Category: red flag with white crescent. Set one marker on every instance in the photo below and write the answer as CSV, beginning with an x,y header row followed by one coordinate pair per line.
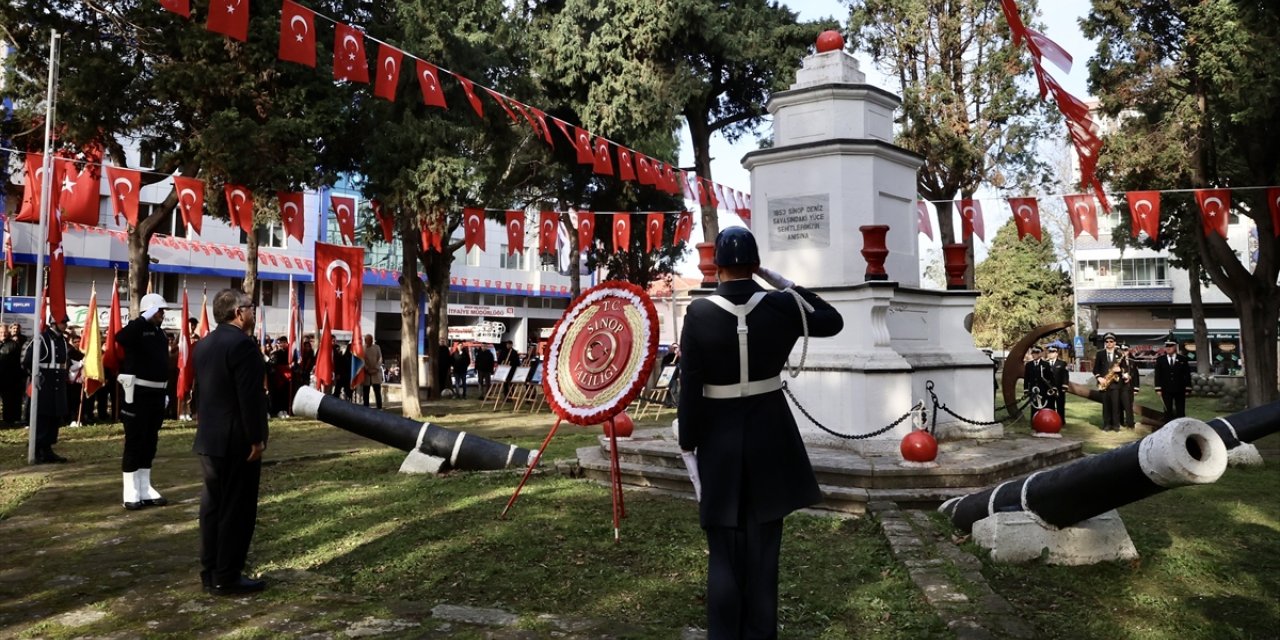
x,y
324,353
1084,215
1144,211
429,82
1026,216
603,162
123,185
653,231
239,206
345,210
190,201
548,224
469,88
586,230
297,34
621,232
33,178
385,221
971,219
515,232
230,18
339,278
626,171
180,7
684,226
924,222
1273,202
582,144
77,192
57,285
1215,207
291,214
473,228
349,61
644,170
389,59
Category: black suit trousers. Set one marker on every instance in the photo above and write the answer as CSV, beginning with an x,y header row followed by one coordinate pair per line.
x,y
1111,408
1175,405
228,514
742,581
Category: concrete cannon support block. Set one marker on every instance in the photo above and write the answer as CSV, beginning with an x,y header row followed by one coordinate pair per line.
x,y
1017,536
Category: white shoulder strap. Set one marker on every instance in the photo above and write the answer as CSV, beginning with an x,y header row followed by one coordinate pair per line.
x,y
741,311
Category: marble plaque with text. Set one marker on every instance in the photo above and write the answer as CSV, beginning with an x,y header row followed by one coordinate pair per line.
x,y
800,223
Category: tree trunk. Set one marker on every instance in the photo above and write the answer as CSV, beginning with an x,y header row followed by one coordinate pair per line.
x,y
250,285
1258,346
700,135
437,268
1204,354
411,290
139,268
575,273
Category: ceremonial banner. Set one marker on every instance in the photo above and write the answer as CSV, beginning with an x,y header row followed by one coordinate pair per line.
x,y
924,222
297,34
653,231
1215,207
548,224
239,206
1084,214
1026,217
1144,212
190,201
586,230
621,232
515,232
339,278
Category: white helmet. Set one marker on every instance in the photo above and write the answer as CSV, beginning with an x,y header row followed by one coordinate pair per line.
x,y
152,301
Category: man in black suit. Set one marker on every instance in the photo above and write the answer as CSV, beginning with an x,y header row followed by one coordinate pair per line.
x,y
1132,383
1035,380
1059,376
1105,363
1173,378
230,438
733,414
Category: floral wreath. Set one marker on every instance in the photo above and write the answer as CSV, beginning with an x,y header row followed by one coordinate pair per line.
x,y
566,397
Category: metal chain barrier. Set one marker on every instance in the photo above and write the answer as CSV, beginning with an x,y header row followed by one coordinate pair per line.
x,y
917,409
973,425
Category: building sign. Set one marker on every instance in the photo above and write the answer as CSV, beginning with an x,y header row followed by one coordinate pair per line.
x,y
799,223
481,311
490,332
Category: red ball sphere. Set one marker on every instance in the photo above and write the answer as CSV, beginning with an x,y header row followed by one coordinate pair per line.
x,y
830,41
623,424
1046,421
919,446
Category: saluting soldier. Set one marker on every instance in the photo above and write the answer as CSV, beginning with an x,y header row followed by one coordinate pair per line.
x,y
1058,376
734,416
1130,384
1035,379
1173,378
51,377
144,377
1106,363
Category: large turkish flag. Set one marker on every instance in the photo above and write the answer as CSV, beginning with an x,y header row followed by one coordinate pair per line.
x,y
339,285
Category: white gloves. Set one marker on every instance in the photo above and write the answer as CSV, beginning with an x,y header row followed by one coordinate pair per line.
x,y
774,279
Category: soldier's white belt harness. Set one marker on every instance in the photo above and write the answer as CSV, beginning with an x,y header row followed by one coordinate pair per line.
x,y
129,382
743,387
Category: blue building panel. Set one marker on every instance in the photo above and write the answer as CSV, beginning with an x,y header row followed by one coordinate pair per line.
x,y
1126,295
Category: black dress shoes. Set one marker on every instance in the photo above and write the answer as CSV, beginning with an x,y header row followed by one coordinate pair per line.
x,y
155,502
133,506
241,586
47,456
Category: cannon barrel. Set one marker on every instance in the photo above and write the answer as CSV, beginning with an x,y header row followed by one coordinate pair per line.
x,y
459,449
1249,425
1186,451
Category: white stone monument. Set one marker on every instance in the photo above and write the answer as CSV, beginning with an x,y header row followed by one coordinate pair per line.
x,y
832,169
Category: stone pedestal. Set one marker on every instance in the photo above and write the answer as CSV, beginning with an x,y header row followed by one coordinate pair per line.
x,y
1016,537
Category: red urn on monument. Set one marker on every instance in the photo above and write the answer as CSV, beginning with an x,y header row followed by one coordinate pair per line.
x,y
874,251
707,262
954,263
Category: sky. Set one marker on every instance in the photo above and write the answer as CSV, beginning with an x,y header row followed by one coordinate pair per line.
x,y
1060,19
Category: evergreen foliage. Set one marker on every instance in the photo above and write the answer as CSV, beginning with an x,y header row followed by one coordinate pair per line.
x,y
1022,288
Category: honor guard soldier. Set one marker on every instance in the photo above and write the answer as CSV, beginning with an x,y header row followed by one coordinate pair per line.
x,y
733,414
1058,376
1173,378
1131,382
1035,379
51,378
143,378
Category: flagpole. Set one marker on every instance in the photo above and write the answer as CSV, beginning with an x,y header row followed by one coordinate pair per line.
x,y
46,193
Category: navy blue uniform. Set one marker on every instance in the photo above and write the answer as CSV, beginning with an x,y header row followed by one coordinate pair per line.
x,y
146,357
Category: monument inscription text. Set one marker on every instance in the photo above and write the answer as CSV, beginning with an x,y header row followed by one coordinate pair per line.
x,y
799,223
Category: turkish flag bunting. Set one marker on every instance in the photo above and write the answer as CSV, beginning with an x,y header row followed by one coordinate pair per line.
x,y
78,193
621,232
1273,202
711,193
653,231
586,230
230,18
670,180
33,182
539,118
349,61
924,222
389,59
703,200
644,170
603,163
743,210
123,185
57,287
324,354
473,228
684,227
515,231
971,219
180,7
297,34
186,364
1026,216
345,210
112,353
564,129
1144,211
384,220
1014,19
190,201
239,206
1043,47
432,239
626,171
498,98
1215,206
339,278
582,142
548,223
468,87
292,216
429,81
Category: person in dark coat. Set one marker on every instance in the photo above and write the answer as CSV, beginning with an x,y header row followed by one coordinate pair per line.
x,y
1035,379
144,381
1173,378
342,372
231,436
485,362
1132,382
444,368
461,363
13,380
279,379
734,417
56,355
1058,376
1106,363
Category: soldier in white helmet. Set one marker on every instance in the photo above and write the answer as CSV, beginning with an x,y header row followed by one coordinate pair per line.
x,y
144,373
